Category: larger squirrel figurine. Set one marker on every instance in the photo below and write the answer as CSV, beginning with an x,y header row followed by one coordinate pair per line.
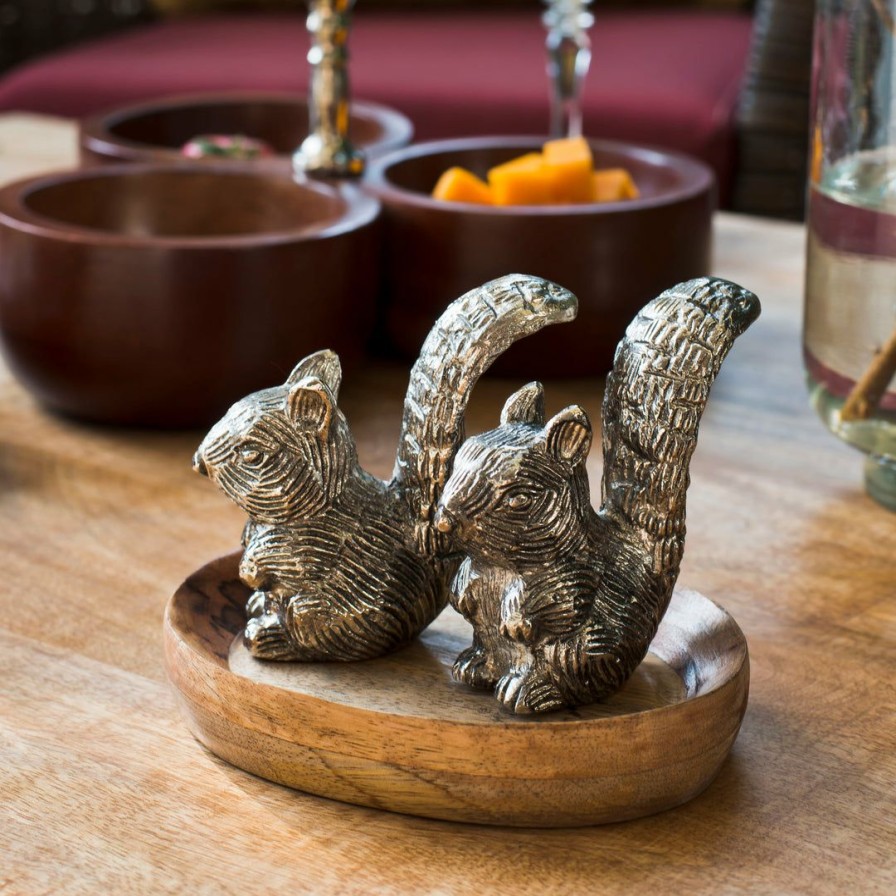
x,y
565,600
344,565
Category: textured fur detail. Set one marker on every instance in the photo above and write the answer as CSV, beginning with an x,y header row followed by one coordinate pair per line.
x,y
579,594
345,566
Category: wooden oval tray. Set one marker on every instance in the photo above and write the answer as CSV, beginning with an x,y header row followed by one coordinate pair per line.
x,y
397,733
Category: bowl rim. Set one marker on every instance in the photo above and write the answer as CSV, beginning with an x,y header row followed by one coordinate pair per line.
x,y
94,131
700,178
360,209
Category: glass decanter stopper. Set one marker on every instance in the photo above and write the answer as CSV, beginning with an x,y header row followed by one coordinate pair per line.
x,y
569,57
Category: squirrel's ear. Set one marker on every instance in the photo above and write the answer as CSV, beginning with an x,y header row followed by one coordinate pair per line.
x,y
309,405
568,435
526,405
324,365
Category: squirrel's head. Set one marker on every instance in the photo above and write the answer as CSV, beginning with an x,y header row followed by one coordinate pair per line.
x,y
519,492
283,453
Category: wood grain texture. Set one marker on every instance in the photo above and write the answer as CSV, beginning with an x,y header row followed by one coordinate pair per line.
x,y
105,791
396,733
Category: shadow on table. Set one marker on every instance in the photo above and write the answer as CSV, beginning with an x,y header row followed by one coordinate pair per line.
x,y
383,849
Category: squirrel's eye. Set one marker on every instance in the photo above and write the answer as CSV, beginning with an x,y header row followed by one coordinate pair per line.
x,y
251,455
517,500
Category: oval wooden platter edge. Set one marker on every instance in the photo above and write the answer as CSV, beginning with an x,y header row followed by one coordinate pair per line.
x,y
566,769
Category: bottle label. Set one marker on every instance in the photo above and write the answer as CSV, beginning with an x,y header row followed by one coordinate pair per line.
x,y
850,295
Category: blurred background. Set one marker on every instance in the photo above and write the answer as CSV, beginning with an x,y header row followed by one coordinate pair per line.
x,y
724,80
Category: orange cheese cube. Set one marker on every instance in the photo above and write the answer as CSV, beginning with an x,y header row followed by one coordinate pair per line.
x,y
613,185
521,181
570,166
460,185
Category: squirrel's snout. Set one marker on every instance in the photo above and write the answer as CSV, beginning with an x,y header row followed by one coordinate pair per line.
x,y
199,464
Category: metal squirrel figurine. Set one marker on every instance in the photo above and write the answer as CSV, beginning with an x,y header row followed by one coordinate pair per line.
x,y
564,600
343,565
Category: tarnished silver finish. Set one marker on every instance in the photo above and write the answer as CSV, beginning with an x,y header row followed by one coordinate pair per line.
x,y
327,150
344,565
569,58
564,601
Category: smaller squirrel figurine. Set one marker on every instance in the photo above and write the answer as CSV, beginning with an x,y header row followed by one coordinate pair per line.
x,y
345,566
565,600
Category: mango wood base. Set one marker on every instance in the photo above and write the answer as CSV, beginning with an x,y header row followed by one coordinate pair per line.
x,y
397,733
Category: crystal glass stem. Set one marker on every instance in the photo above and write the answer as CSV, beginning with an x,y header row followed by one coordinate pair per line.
x,y
569,57
327,150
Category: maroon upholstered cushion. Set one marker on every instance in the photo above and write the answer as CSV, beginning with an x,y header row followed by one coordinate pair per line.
x,y
669,78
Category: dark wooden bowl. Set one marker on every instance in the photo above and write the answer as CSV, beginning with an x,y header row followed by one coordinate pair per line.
x,y
614,256
157,296
156,131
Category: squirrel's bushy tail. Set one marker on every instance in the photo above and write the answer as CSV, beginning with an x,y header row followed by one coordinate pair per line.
x,y
463,343
663,370
655,396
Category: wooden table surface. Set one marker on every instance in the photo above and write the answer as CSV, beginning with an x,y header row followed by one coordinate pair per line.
x,y
103,790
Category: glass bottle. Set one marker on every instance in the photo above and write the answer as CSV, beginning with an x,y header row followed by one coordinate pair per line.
x,y
849,340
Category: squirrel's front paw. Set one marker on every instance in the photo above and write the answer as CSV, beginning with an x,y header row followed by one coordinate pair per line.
x,y
261,602
266,638
472,667
528,692
515,623
255,604
465,603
